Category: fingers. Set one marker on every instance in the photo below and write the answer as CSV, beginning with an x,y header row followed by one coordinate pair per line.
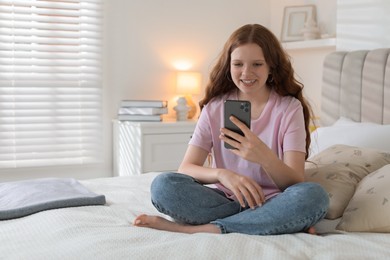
x,y
239,124
257,195
227,139
254,198
246,190
250,192
245,198
231,134
232,138
239,197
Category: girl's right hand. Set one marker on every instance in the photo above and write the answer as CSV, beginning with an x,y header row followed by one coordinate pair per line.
x,y
243,187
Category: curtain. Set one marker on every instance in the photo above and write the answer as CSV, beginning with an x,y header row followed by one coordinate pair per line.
x,y
50,82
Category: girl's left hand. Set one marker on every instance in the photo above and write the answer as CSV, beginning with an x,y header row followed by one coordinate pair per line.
x,y
249,146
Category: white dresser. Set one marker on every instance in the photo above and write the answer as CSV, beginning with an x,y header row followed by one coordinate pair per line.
x,y
141,147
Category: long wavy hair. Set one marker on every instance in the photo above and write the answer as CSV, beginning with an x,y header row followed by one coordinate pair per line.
x,y
281,78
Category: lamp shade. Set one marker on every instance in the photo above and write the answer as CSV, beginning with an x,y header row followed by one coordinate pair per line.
x,y
188,83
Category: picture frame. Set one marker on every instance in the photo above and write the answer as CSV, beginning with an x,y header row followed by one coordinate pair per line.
x,y
294,19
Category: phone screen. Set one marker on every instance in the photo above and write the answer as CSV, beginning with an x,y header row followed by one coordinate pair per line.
x,y
241,109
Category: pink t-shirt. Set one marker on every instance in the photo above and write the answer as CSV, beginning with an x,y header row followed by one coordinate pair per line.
x,y
280,126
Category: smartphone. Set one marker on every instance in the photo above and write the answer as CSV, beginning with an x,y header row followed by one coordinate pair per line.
x,y
241,109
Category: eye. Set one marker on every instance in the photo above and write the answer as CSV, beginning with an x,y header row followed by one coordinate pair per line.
x,y
258,64
237,64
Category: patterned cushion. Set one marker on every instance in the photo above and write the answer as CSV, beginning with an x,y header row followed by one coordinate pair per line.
x,y
339,169
369,208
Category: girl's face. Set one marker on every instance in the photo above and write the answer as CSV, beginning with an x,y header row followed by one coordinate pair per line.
x,y
248,68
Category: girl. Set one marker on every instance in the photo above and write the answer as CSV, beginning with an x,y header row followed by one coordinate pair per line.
x,y
259,185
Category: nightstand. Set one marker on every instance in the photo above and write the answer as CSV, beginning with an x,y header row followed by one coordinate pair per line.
x,y
141,147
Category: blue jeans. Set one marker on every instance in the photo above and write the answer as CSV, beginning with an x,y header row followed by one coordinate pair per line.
x,y
187,201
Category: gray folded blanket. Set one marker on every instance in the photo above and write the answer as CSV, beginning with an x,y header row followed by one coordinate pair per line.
x,y
22,198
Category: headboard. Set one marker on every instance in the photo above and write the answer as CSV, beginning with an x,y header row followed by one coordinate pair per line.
x,y
356,85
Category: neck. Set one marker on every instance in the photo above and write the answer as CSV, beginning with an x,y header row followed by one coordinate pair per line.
x,y
257,98
258,101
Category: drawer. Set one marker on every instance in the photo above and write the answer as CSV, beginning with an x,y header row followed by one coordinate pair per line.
x,y
164,152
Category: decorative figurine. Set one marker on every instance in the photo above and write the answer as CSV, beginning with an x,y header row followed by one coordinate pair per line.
x,y
311,30
181,109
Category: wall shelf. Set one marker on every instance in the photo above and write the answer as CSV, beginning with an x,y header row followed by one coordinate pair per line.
x,y
312,44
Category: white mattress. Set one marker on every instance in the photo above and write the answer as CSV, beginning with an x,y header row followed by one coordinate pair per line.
x,y
106,232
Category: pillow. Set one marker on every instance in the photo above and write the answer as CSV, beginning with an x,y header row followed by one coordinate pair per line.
x,y
339,168
345,121
348,132
369,208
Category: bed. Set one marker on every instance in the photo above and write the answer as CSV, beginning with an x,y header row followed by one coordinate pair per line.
x,y
355,106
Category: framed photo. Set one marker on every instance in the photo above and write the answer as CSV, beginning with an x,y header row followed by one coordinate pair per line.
x,y
294,19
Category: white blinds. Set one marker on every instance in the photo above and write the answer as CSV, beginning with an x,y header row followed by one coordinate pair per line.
x,y
363,24
50,82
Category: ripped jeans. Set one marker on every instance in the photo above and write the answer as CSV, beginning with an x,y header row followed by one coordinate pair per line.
x,y
297,208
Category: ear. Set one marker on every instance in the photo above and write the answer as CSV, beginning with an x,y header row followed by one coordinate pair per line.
x,y
270,79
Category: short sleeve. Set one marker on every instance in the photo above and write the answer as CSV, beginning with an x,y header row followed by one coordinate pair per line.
x,y
202,136
294,138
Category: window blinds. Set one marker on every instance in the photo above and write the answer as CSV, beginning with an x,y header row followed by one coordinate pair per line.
x,y
363,24
50,82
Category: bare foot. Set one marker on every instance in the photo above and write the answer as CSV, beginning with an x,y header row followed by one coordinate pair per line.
x,y
161,223
311,231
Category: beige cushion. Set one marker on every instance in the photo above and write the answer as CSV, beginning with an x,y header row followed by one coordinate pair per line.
x,y
339,169
369,208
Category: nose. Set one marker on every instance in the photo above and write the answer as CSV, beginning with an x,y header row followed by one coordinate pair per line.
x,y
246,70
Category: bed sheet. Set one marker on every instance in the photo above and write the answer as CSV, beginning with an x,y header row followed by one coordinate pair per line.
x,y
106,232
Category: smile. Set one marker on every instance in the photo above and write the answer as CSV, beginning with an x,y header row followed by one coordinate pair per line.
x,y
248,82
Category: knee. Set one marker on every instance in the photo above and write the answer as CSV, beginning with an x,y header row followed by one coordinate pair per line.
x,y
161,181
313,194
162,178
166,183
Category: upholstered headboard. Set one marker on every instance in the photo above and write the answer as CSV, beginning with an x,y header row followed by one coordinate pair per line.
x,y
356,85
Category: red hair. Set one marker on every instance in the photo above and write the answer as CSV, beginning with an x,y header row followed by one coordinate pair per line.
x,y
281,78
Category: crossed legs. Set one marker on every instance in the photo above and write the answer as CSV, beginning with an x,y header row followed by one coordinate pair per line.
x,y
202,209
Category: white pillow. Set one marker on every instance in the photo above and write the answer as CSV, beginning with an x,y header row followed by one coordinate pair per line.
x,y
345,121
348,132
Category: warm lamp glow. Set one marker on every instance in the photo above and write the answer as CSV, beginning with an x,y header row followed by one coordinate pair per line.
x,y
182,65
188,83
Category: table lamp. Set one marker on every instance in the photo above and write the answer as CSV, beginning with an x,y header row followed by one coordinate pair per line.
x,y
188,84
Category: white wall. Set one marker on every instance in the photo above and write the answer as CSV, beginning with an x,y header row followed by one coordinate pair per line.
x,y
151,36
308,62
362,24
308,69
325,13
146,37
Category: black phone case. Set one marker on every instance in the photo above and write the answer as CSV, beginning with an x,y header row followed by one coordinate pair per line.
x,y
241,109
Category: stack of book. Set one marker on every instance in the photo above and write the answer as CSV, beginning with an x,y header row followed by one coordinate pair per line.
x,y
142,110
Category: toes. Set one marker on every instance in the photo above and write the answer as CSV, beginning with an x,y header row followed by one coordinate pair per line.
x,y
312,231
140,220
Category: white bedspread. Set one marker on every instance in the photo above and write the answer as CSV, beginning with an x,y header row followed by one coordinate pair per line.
x,y
106,232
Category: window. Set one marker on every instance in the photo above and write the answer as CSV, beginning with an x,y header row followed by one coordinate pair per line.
x,y
363,25
50,82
